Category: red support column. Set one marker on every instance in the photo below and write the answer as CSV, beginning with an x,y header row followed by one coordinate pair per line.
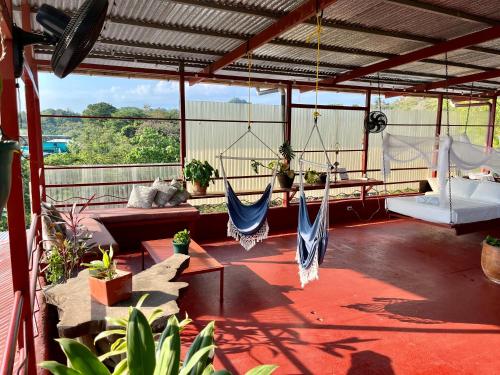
x,y
439,121
15,205
182,112
366,137
491,123
288,130
33,118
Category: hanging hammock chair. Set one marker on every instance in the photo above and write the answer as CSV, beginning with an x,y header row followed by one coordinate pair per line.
x,y
312,238
247,223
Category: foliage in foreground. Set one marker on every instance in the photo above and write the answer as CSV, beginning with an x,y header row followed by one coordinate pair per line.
x,y
142,353
490,240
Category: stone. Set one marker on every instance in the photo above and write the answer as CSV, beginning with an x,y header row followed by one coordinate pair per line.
x,y
79,315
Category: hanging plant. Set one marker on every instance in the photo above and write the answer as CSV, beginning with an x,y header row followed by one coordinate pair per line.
x,y
7,149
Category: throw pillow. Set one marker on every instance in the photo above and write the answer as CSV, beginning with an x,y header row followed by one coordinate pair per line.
x,y
179,198
165,192
53,219
486,192
462,187
141,197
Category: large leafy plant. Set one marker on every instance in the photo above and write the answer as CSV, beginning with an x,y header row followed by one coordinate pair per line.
x,y
201,172
143,353
67,250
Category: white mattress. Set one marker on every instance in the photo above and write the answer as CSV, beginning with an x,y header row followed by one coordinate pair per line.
x,y
464,211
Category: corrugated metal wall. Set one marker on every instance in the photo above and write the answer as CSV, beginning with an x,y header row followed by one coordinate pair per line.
x,y
207,139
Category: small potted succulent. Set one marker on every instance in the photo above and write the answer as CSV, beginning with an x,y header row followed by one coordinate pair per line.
x,y
181,242
490,258
285,174
107,284
200,174
7,150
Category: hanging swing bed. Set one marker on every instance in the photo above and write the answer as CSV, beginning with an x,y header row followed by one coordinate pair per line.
x,y
464,205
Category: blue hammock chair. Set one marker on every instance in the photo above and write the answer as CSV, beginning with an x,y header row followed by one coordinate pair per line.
x,y
248,222
312,238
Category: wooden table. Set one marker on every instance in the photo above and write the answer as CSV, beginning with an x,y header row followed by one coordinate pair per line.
x,y
365,184
199,262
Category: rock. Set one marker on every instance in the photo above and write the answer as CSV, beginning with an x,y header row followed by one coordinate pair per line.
x,y
79,315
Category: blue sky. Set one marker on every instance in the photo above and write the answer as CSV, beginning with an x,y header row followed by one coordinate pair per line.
x,y
75,92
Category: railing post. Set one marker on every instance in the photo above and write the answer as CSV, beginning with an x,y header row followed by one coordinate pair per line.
x,y
182,112
491,123
366,137
439,121
288,131
15,204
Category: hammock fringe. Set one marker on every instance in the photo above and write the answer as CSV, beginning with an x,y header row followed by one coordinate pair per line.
x,y
247,241
307,275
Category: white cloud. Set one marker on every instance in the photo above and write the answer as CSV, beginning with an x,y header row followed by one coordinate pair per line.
x,y
166,87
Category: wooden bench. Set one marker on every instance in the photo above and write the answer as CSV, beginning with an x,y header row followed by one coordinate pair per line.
x,y
130,226
199,262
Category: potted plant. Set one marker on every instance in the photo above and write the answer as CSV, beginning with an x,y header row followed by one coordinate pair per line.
x,y
285,174
107,284
200,174
312,177
7,149
490,258
181,242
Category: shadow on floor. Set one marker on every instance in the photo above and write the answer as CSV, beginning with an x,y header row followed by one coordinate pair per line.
x,y
368,362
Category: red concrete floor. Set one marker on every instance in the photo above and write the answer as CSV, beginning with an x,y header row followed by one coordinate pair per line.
x,y
393,298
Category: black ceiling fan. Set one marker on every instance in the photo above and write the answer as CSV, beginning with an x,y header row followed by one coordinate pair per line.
x,y
73,37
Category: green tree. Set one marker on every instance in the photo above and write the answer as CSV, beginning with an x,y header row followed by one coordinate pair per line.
x,y
150,146
237,100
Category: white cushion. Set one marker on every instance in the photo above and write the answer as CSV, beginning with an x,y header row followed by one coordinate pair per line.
x,y
462,187
141,197
165,192
487,192
434,184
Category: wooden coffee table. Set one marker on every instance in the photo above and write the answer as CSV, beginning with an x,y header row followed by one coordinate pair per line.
x,y
200,261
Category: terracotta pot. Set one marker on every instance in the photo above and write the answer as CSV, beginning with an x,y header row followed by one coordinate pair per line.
x,y
198,189
285,181
181,248
7,149
490,262
109,292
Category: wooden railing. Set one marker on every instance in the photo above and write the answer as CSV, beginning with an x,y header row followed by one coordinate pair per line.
x,y
15,357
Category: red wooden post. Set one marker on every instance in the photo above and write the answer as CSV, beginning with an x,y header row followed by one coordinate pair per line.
x,y
15,204
182,110
439,121
288,131
366,137
491,123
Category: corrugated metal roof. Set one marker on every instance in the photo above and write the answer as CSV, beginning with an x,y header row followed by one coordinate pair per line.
x,y
153,33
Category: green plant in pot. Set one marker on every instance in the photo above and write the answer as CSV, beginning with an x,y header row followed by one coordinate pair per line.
x,y
7,150
312,177
200,174
107,284
181,242
285,174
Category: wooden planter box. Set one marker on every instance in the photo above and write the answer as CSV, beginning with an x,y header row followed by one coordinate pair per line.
x,y
109,292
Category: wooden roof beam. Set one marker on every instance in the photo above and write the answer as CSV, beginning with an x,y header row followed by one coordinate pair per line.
x,y
436,49
296,16
454,81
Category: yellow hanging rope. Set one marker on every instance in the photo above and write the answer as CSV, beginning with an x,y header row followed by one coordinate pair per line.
x,y
249,58
317,33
